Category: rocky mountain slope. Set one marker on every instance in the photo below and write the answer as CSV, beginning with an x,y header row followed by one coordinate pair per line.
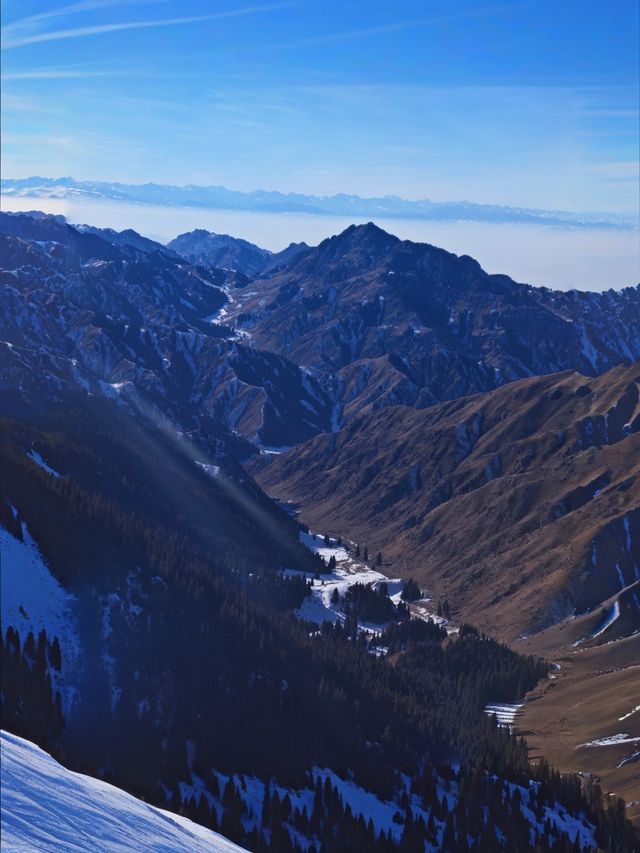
x,y
399,322
126,317
360,322
521,505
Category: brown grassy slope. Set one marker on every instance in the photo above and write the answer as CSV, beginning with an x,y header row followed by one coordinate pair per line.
x,y
516,504
598,683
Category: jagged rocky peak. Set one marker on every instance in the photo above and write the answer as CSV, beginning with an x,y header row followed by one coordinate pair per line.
x,y
376,245
366,236
444,326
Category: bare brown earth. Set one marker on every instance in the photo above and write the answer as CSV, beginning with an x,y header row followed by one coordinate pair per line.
x,y
596,685
521,505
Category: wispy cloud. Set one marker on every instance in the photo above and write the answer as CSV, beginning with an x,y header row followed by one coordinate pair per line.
x,y
396,26
59,74
18,40
35,23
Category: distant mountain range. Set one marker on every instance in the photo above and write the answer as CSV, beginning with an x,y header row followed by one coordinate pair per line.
x,y
385,207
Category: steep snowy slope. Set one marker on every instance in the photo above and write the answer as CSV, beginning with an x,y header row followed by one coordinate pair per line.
x,y
46,807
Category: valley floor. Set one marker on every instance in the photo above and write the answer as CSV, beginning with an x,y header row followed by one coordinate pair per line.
x,y
573,717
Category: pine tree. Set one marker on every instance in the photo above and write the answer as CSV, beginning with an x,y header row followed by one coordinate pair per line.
x,y
55,654
266,807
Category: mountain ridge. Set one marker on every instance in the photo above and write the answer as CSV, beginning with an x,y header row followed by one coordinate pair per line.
x,y
276,202
434,324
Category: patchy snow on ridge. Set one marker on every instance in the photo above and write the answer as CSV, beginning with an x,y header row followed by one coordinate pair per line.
x,y
609,619
606,622
211,470
630,759
631,712
47,808
612,740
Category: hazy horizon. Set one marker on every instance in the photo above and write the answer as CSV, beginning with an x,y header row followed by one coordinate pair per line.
x,y
562,258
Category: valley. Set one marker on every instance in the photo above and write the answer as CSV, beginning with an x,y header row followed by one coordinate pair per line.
x,y
319,427
312,496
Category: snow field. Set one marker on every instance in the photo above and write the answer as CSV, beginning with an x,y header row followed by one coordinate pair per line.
x,y
47,808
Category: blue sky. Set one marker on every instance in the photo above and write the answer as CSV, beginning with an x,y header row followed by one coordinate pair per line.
x,y
532,103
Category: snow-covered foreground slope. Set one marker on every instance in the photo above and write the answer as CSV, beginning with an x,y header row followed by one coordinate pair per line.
x,y
46,807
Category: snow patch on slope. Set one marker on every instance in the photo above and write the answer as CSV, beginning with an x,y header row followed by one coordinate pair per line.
x,y
348,572
37,458
609,619
32,599
504,713
631,712
612,740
